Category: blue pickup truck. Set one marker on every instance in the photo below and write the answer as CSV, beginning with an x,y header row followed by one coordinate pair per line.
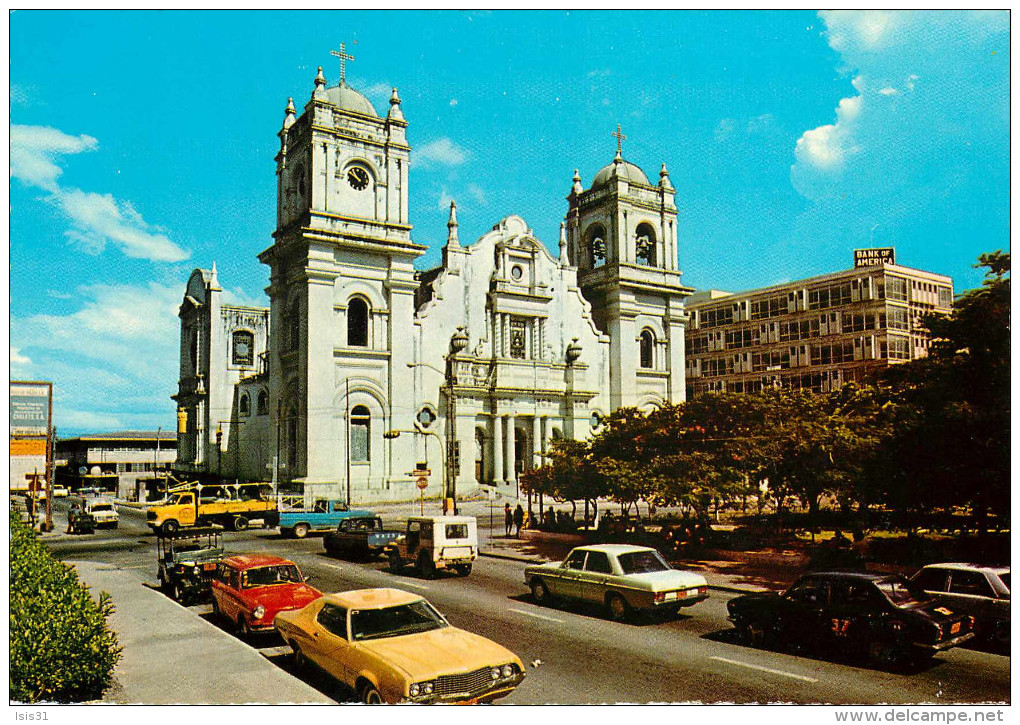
x,y
324,515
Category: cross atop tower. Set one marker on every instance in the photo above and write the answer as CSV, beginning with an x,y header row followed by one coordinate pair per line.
x,y
342,55
619,140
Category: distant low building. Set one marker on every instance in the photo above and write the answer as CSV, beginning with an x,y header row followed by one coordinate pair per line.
x,y
126,455
814,334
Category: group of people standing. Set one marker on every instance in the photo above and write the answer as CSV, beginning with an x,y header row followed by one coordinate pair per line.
x,y
513,518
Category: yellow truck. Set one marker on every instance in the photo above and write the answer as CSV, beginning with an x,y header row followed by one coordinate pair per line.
x,y
233,507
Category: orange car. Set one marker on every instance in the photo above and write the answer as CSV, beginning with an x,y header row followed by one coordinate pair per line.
x,y
251,589
392,646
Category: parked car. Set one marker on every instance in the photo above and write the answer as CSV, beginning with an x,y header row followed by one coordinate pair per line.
x,y
249,590
432,543
622,577
323,515
981,591
102,510
884,618
186,562
80,522
360,536
60,492
392,646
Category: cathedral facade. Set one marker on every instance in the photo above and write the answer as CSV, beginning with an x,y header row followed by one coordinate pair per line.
x,y
363,371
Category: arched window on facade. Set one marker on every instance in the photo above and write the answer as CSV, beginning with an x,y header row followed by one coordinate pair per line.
x,y
361,428
645,244
243,348
479,455
595,246
647,349
263,403
292,325
357,323
244,405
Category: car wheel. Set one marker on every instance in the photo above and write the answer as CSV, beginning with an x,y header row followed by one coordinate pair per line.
x,y
396,563
370,695
426,567
464,570
240,523
540,592
300,531
178,592
1000,633
754,633
169,527
617,607
887,654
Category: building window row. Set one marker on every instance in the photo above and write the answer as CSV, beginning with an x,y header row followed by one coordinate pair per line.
x,y
716,317
261,408
771,307
833,296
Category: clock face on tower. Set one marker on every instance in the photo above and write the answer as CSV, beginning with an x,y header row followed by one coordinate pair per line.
x,y
358,178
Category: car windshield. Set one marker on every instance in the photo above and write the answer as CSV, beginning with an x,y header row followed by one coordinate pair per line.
x,y
1005,580
456,531
395,621
265,576
101,507
902,593
642,562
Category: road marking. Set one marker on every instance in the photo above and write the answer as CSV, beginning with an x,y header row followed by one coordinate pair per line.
x,y
331,566
416,586
201,609
764,669
536,616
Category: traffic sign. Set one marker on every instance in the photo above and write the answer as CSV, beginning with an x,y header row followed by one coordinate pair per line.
x,y
422,482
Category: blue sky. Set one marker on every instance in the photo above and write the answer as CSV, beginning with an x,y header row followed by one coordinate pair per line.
x,y
142,146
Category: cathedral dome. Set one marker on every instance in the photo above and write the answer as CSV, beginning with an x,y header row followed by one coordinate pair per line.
x,y
621,169
348,99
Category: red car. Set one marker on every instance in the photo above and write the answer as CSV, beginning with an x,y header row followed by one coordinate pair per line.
x,y
251,589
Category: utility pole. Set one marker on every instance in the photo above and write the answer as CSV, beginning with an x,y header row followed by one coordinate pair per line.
x,y
458,343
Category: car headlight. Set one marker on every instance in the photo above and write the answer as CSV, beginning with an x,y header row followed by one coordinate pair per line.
x,y
494,673
508,670
413,690
197,570
421,688
259,612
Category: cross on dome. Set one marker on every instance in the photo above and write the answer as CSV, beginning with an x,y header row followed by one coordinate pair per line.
x,y
344,57
619,141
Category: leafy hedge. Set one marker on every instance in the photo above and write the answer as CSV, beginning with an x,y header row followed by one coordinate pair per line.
x,y
61,647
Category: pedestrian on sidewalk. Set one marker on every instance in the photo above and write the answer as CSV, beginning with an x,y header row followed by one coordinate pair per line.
x,y
508,518
518,519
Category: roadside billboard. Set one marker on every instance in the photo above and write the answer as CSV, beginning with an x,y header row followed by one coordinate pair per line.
x,y
30,408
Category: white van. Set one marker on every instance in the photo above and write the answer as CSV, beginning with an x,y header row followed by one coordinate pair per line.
x,y
103,511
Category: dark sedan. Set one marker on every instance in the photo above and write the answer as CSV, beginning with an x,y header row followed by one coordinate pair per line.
x,y
884,618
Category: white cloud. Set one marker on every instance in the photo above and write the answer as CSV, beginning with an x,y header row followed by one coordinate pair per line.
x,y
453,101
724,129
441,152
888,91
97,219
477,193
237,296
20,364
826,147
59,295
34,148
444,199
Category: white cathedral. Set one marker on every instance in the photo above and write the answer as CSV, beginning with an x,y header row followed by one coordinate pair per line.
x,y
362,367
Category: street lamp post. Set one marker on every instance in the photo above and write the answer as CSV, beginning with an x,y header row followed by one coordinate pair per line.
x,y
458,342
395,433
219,452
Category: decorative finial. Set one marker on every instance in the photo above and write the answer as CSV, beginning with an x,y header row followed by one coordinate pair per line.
x,y
320,80
451,237
577,182
664,178
395,112
342,55
563,243
288,118
619,143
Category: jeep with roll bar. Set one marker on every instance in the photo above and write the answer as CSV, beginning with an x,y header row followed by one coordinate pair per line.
x,y
187,560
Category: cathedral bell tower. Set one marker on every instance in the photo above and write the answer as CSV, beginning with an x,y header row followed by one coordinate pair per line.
x,y
622,237
341,285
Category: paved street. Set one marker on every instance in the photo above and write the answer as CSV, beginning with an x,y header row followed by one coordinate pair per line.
x,y
576,655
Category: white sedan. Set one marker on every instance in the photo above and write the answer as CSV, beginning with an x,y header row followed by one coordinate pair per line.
x,y
622,577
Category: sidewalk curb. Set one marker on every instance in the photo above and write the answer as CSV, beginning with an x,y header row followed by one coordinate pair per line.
x,y
533,560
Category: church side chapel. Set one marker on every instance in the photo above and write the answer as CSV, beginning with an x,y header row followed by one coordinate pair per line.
x,y
363,368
